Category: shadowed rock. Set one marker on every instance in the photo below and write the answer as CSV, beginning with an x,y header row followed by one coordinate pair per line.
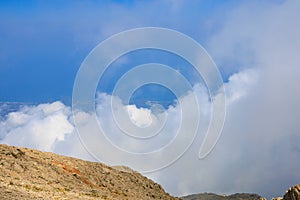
x,y
293,193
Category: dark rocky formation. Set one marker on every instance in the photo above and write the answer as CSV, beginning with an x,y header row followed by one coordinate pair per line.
x,y
293,193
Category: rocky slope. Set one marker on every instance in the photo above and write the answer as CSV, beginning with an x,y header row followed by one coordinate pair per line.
x,y
293,193
31,174
210,196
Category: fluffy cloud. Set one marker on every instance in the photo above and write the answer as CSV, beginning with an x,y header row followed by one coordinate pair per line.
x,y
259,148
239,84
39,127
50,127
139,116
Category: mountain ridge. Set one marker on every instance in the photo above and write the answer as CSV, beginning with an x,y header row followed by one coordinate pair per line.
x,y
212,196
31,174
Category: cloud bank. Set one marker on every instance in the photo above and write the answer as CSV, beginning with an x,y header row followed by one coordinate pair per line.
x,y
259,148
50,127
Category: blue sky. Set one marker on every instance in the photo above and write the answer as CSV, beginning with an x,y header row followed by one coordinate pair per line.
x,y
44,42
255,45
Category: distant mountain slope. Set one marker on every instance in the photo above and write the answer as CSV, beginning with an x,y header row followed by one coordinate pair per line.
x,y
210,196
293,193
32,174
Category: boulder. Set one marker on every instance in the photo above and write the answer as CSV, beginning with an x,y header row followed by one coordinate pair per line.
x,y
293,193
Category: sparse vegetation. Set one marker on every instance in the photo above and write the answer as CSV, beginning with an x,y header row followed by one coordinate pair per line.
x,y
30,174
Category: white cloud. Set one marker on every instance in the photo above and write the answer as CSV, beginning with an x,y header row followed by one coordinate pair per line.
x,y
37,126
259,148
239,84
50,127
139,116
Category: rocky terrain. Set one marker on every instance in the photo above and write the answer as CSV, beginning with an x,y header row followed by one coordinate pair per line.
x,y
210,196
31,174
292,193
